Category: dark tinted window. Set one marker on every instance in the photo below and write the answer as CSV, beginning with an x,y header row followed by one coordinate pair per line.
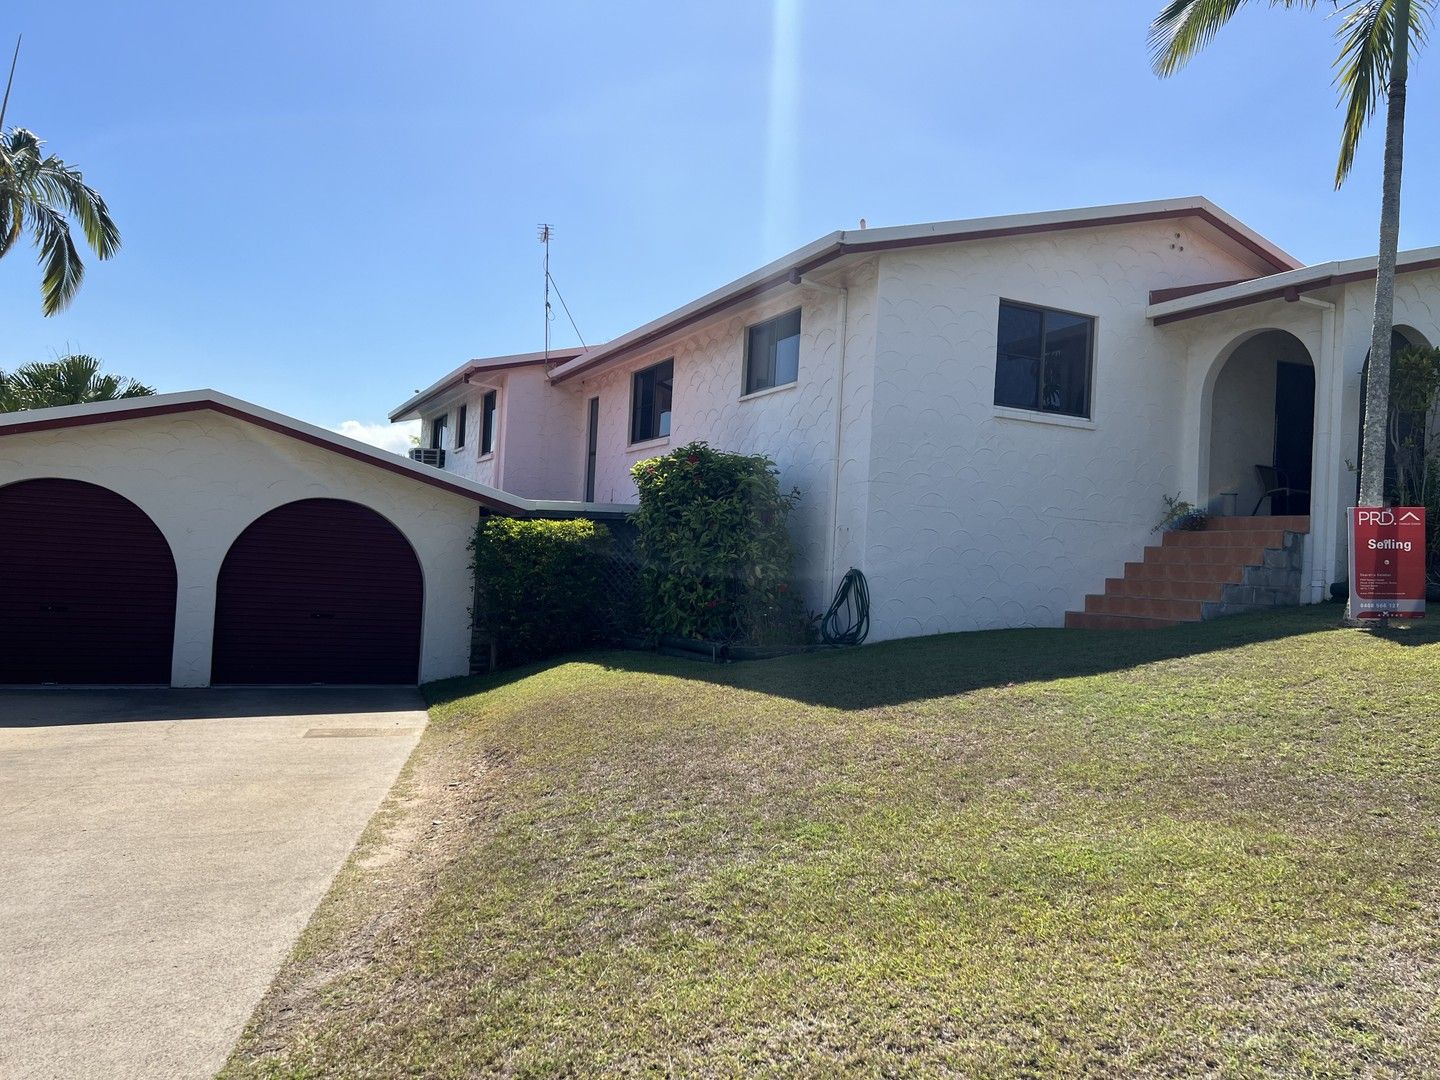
x,y
437,430
650,401
772,352
460,419
1042,360
487,422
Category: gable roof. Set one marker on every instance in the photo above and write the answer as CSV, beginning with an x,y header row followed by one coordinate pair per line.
x,y
410,409
105,412
1223,296
790,268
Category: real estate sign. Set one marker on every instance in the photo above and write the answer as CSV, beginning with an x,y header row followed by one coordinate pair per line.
x,y
1387,562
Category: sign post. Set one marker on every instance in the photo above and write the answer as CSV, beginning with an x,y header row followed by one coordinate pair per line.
x,y
1387,562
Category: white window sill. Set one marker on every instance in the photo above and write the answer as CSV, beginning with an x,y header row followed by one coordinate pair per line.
x,y
1053,419
769,390
649,444
486,457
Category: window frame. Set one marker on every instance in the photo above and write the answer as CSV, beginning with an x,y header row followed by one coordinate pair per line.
x,y
461,416
1093,324
746,390
439,425
636,437
489,421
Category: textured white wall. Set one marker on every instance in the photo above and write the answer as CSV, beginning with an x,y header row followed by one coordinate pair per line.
x,y
794,425
981,518
203,477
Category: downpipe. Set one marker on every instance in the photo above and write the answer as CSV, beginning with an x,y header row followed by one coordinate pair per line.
x,y
844,294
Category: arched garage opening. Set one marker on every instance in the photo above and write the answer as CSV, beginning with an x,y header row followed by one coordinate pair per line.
x,y
87,587
318,591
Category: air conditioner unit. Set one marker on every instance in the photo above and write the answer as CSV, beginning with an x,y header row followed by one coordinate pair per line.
x,y
428,455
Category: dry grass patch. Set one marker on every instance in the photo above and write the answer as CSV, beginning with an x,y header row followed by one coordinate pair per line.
x,y
1209,851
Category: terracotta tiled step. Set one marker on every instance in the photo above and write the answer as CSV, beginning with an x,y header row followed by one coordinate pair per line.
x,y
1270,538
1293,523
1223,572
1145,607
1227,556
1089,620
1166,588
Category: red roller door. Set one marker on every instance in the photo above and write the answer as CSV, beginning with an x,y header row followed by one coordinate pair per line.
x,y
87,587
318,591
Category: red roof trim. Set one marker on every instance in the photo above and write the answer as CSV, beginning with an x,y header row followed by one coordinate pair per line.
x,y
1175,292
1283,292
861,247
141,411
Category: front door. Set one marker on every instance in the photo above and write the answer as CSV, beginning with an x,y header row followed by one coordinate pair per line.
x,y
1294,435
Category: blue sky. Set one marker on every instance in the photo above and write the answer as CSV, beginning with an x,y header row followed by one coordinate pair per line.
x,y
326,205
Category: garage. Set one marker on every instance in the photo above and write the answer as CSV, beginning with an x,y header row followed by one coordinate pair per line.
x,y
87,587
318,591
192,538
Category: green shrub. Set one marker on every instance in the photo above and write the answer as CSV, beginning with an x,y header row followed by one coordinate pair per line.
x,y
539,585
714,546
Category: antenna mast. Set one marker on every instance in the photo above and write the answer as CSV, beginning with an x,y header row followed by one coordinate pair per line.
x,y
5,104
546,232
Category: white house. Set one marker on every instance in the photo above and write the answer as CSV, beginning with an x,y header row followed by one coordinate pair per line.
x,y
985,416
192,538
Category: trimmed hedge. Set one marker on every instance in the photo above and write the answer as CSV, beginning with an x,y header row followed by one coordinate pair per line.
x,y
539,585
716,553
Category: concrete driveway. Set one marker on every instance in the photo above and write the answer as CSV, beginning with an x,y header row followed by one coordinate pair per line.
x,y
160,851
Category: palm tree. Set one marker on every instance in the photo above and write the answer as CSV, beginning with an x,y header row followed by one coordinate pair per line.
x,y
1372,54
40,194
68,380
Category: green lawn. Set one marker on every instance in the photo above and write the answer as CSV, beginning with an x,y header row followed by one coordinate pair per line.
x,y
1201,851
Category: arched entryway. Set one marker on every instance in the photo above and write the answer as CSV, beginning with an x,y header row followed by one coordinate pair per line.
x,y
1408,437
87,587
1262,427
318,591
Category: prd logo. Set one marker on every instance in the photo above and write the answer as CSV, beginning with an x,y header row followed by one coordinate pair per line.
x,y
1376,517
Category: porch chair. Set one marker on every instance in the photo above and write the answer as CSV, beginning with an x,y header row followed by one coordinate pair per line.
x,y
1274,482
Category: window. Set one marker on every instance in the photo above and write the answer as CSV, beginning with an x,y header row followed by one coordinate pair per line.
x,y
772,352
1042,361
437,431
460,418
487,422
592,448
650,401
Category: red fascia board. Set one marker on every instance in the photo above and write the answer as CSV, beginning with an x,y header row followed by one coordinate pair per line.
x,y
862,247
1176,292
1290,292
172,407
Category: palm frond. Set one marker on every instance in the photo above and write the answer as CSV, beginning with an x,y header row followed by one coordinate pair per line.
x,y
1367,42
61,262
68,380
1184,27
42,194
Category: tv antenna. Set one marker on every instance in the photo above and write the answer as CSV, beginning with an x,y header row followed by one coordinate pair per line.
x,y
5,103
546,233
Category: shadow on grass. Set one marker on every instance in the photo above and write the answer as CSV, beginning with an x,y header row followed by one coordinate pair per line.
x,y
916,669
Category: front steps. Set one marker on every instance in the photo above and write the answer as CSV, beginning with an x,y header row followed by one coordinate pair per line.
x,y
1237,564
